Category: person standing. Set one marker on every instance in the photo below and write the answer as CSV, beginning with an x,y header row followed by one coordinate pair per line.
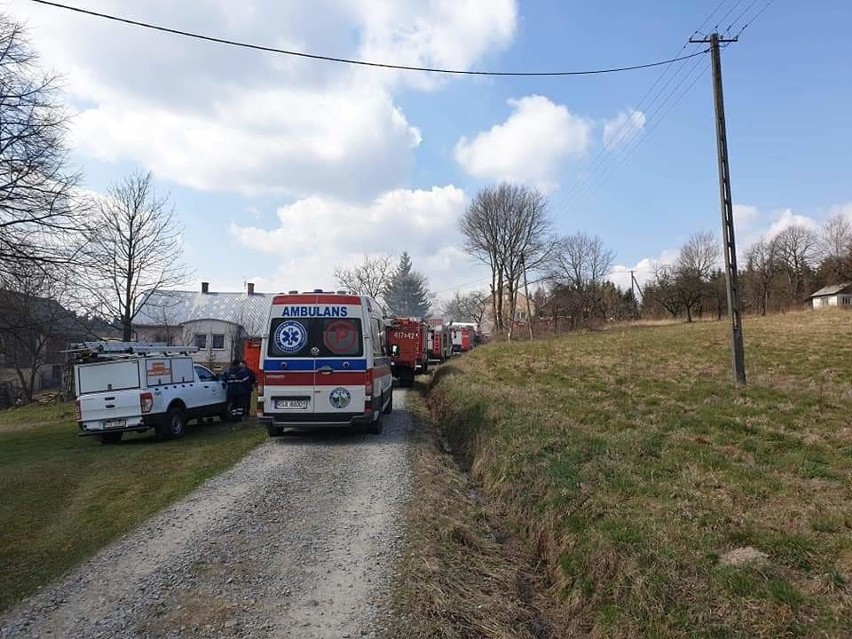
x,y
250,383
239,388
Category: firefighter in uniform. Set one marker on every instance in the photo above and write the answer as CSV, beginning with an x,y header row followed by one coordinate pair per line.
x,y
238,378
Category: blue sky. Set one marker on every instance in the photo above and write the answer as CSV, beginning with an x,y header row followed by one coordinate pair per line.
x,y
281,169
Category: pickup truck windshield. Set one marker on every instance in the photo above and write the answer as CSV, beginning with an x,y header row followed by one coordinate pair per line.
x,y
315,337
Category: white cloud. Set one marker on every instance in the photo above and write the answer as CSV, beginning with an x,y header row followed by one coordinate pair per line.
x,y
643,270
529,146
623,128
745,216
316,234
299,142
787,218
212,117
841,209
439,33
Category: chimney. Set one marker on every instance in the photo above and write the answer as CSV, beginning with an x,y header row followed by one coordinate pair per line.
x,y
205,287
250,286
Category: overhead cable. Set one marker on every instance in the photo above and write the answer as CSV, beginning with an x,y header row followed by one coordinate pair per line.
x,y
363,63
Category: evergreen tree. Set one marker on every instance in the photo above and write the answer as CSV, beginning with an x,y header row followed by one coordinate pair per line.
x,y
407,294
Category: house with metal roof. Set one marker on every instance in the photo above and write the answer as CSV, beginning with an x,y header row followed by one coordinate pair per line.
x,y
218,323
834,296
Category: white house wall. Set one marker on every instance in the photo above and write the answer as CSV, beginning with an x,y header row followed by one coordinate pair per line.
x,y
833,301
210,328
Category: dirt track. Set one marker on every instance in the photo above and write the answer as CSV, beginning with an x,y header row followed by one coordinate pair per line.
x,y
297,540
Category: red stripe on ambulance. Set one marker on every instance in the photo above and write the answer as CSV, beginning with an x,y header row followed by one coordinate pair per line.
x,y
303,300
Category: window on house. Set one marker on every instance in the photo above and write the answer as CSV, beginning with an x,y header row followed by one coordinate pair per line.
x,y
218,341
201,340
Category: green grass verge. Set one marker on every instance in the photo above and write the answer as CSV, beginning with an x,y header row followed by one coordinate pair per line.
x,y
64,496
631,464
460,575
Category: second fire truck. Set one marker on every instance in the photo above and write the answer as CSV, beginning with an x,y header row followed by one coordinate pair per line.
x,y
408,345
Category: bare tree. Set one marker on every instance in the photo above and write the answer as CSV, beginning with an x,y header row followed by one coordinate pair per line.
x,y
580,263
480,225
40,224
370,277
835,249
34,325
134,250
508,228
467,307
761,268
797,249
693,268
662,291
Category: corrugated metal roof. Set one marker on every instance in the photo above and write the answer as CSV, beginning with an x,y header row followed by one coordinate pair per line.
x,y
173,308
834,289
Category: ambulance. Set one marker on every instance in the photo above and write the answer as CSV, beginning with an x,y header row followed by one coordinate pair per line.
x,y
325,363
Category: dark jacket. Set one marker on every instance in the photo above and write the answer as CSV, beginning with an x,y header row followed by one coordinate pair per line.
x,y
239,380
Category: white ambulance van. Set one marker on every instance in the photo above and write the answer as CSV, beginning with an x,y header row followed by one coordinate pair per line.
x,y
325,363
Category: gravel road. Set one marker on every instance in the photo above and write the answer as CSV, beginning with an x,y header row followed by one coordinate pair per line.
x,y
297,540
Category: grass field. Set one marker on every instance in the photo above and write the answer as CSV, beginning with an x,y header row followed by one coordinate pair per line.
x,y
64,497
632,466
460,575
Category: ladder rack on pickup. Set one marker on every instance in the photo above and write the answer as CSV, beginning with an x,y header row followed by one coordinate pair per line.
x,y
90,351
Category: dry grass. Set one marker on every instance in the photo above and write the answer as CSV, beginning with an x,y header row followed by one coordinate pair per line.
x,y
629,463
461,576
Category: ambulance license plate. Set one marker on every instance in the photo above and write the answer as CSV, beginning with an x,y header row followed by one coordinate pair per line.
x,y
291,404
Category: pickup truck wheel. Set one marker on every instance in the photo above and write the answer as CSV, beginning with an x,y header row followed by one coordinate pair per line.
x,y
274,431
175,425
110,438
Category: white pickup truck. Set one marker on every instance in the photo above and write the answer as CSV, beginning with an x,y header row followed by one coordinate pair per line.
x,y
138,392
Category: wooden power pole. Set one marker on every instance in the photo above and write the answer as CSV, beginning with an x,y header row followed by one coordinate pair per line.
x,y
527,296
728,242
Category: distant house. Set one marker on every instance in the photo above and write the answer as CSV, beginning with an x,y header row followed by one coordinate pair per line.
x,y
34,333
521,317
836,295
217,323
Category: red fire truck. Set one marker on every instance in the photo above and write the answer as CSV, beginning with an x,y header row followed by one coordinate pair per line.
x,y
440,344
408,343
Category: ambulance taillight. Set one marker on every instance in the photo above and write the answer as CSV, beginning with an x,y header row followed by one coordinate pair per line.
x,y
368,393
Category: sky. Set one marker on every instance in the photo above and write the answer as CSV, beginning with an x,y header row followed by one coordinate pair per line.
x,y
281,169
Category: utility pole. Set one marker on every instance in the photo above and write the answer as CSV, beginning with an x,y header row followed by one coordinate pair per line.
x,y
635,312
527,296
728,243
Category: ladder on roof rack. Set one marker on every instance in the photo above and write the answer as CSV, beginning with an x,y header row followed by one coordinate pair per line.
x,y
125,349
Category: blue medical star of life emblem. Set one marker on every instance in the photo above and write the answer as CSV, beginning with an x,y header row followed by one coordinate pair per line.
x,y
290,336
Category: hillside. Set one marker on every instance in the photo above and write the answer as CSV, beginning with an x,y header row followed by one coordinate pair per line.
x,y
662,500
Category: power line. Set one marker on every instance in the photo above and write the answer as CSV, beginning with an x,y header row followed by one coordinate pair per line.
x,y
613,155
615,161
727,13
753,18
363,63
707,19
610,153
740,15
